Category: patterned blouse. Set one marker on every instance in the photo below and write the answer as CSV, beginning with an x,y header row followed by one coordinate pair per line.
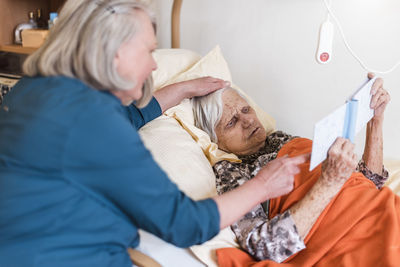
x,y
276,239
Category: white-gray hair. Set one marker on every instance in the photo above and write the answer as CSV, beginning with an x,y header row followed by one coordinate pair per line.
x,y
84,41
207,111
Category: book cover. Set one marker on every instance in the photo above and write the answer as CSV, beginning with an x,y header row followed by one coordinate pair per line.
x,y
346,121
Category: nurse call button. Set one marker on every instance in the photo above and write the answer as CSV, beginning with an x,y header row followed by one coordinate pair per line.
x,y
324,57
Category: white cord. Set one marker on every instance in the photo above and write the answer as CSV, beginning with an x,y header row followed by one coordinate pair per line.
x,y
330,12
329,3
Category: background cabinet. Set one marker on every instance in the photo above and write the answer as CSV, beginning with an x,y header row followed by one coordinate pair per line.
x,y
14,12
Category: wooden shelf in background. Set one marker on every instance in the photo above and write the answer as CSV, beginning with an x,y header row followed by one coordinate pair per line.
x,y
17,49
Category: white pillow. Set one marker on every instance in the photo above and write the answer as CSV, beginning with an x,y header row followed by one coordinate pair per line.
x,y
179,156
171,146
170,63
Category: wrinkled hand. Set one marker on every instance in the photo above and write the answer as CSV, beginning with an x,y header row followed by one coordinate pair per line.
x,y
341,162
203,86
380,98
278,175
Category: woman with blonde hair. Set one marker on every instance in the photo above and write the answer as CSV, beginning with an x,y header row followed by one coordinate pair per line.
x,y
76,182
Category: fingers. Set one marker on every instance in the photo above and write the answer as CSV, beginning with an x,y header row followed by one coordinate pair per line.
x,y
283,166
354,159
380,97
218,85
337,145
341,146
377,84
379,101
371,75
381,105
218,81
224,84
288,186
214,84
341,162
286,165
211,79
348,147
290,165
300,159
205,85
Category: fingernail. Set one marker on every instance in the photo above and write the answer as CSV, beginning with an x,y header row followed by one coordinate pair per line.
x,y
227,83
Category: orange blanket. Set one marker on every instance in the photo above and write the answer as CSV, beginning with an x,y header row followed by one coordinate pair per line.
x,y
360,226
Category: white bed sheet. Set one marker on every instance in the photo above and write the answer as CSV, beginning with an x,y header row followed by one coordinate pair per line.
x,y
166,254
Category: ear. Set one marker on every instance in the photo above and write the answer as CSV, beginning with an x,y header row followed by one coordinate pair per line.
x,y
117,58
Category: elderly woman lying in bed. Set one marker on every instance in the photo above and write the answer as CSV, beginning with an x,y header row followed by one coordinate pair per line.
x,y
277,230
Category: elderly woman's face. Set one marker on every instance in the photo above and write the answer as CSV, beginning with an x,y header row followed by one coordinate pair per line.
x,y
134,60
239,131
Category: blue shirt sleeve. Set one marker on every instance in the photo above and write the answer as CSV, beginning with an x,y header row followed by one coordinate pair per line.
x,y
108,157
140,117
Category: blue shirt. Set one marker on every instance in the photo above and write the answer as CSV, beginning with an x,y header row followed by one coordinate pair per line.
x,y
76,181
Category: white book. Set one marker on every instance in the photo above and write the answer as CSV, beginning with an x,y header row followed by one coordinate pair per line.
x,y
346,121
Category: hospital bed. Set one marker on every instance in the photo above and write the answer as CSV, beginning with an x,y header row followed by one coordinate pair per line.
x,y
186,153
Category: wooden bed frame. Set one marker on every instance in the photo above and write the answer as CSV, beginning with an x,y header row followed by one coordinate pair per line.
x,y
175,23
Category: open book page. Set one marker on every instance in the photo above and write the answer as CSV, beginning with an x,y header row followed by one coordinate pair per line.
x,y
365,113
337,124
325,133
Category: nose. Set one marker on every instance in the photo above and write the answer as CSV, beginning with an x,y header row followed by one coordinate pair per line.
x,y
247,121
154,64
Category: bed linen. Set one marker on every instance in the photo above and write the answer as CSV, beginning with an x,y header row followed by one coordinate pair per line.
x,y
394,175
360,226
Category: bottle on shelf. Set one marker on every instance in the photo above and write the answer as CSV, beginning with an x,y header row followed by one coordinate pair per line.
x,y
31,24
41,22
53,19
32,19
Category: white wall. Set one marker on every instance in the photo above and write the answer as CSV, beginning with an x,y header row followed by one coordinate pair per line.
x,y
270,47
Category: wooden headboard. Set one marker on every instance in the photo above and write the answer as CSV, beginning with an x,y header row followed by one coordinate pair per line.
x,y
175,23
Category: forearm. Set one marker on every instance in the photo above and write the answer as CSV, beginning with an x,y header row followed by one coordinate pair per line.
x,y
275,179
373,151
236,203
170,95
173,94
335,171
276,239
305,212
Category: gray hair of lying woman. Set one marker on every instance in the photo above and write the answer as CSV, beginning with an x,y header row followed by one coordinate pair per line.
x,y
233,124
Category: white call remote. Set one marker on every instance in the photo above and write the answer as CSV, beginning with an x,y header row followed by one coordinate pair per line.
x,y
324,53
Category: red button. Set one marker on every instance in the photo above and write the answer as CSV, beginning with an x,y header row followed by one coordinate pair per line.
x,y
324,57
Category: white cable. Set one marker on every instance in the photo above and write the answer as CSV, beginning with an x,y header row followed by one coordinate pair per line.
x,y
329,3
330,12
